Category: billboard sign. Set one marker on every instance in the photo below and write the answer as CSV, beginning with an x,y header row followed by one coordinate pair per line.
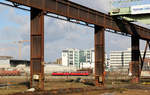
x,y
128,3
140,9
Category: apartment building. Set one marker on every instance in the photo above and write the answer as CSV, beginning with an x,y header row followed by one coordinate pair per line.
x,y
78,58
121,59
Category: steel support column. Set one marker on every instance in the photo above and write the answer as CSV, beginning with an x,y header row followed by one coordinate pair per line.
x,y
99,55
135,68
37,49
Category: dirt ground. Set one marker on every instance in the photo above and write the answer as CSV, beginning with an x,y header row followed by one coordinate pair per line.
x,y
17,85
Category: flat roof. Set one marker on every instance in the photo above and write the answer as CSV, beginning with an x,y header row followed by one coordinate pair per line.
x,y
6,57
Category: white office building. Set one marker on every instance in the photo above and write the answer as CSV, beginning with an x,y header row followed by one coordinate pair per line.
x,y
5,61
121,59
116,59
79,58
70,57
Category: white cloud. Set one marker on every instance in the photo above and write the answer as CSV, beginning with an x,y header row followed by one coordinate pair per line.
x,y
100,5
16,17
60,35
14,28
25,51
3,8
115,42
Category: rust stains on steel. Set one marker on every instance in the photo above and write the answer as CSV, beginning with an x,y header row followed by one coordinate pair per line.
x,y
75,11
37,48
99,55
135,66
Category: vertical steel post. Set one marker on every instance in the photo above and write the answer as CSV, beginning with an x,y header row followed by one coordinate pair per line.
x,y
99,55
37,49
135,68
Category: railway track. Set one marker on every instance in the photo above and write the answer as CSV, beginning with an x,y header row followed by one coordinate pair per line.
x,y
65,91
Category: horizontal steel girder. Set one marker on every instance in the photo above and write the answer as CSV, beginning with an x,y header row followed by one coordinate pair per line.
x,y
75,11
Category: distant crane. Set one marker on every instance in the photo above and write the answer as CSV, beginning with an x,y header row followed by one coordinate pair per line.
x,y
20,46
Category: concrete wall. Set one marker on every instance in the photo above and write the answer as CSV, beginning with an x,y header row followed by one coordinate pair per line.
x,y
58,68
4,63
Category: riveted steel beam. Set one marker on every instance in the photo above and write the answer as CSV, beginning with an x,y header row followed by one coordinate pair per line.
x,y
99,55
135,66
37,49
75,11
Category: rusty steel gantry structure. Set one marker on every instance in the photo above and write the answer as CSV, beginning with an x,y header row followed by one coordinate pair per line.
x,y
78,12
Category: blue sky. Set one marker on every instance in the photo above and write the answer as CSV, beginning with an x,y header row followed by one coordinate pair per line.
x,y
15,26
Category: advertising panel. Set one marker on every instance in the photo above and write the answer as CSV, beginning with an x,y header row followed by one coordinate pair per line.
x,y
140,9
128,3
